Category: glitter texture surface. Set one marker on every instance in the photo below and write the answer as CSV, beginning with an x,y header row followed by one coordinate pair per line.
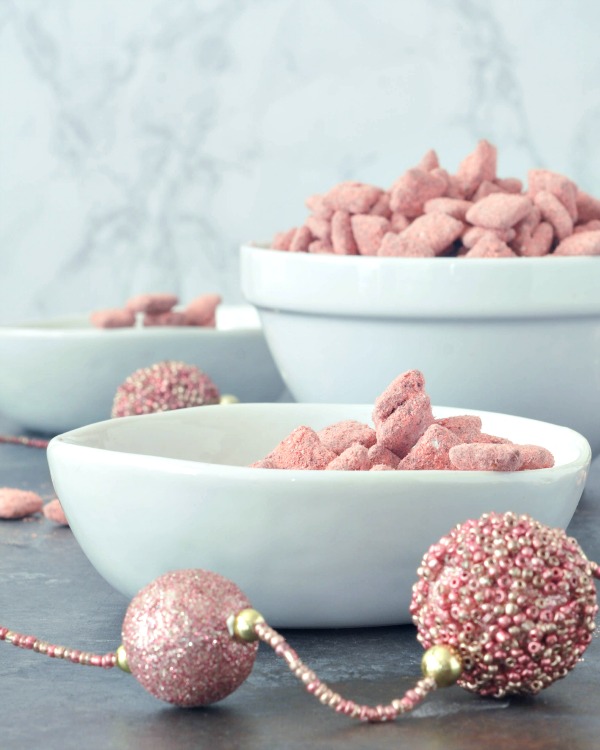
x,y
162,387
177,642
514,597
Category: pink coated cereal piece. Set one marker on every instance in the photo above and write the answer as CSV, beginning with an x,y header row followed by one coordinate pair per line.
x,y
472,235
320,246
407,385
431,450
382,206
441,174
478,166
486,457
264,463
353,197
437,231
453,188
319,206
15,503
490,246
413,189
342,238
301,449
558,185
368,232
396,245
584,243
591,226
540,241
378,456
499,211
485,438
526,227
341,435
466,427
354,458
429,161
588,207
319,228
171,318
53,511
282,240
301,240
535,457
112,318
201,311
452,206
381,467
554,213
510,184
152,303
486,188
398,223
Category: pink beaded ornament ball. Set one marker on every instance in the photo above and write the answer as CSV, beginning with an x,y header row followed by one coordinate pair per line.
x,y
177,641
162,387
515,598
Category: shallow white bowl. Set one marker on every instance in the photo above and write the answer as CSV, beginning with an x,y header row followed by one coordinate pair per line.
x,y
63,373
517,336
145,495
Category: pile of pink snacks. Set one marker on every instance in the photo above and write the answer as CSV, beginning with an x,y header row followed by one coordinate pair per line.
x,y
157,310
406,436
473,214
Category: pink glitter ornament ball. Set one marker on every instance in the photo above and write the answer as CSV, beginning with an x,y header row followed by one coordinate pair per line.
x,y
177,642
163,387
514,597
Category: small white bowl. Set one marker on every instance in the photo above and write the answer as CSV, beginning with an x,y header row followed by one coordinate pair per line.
x,y
519,336
63,373
145,495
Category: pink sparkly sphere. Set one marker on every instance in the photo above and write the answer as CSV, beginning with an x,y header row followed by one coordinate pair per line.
x,y
163,387
514,597
177,641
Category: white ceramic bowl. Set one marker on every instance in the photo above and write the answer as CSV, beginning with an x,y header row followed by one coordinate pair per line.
x,y
63,373
517,336
145,495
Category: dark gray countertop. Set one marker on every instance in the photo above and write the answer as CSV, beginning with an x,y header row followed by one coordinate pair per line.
x,y
49,589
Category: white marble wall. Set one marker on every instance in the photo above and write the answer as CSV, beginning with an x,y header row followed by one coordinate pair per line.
x,y
142,140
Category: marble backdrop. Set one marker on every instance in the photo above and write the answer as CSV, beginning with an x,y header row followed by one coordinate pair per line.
x,y
142,140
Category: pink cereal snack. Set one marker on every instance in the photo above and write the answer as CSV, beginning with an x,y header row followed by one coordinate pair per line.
x,y
354,218
201,311
16,503
406,437
54,512
156,309
152,303
112,318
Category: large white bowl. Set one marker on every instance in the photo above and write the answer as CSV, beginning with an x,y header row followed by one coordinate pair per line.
x,y
63,373
145,495
520,336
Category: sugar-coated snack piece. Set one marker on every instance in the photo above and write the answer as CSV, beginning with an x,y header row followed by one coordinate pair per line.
x,y
342,239
499,211
413,189
452,206
112,318
378,455
319,228
282,240
431,451
465,426
472,235
486,457
319,206
564,189
341,435
554,213
301,240
590,226
588,207
353,197
54,512
354,458
539,243
486,188
264,463
398,223
478,166
16,503
381,467
201,310
171,318
535,457
381,207
320,246
368,232
437,231
510,184
584,243
396,245
490,246
429,161
153,303
301,449
485,438
525,228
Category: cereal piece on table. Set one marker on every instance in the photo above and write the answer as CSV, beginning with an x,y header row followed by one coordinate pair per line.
x,y
554,213
319,228
490,246
465,426
368,232
584,243
201,311
341,435
591,226
381,467
588,207
152,303
320,246
395,245
564,189
353,197
354,458
319,206
452,206
431,450
478,166
486,457
510,184
112,318
499,211
301,240
301,449
378,455
398,223
540,241
535,457
429,161
15,503
382,206
170,318
472,235
413,189
53,511
437,231
342,238
486,188
282,240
